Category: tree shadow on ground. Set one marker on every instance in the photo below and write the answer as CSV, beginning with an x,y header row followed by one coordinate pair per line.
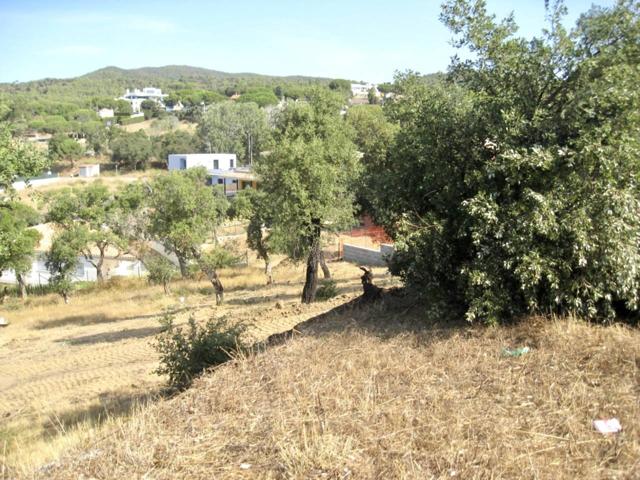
x,y
397,313
100,318
263,299
110,405
111,337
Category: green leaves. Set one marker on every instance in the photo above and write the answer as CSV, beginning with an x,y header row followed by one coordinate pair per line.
x,y
183,210
515,188
18,159
17,240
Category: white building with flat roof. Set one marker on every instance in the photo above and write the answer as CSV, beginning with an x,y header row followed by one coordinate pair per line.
x,y
213,162
222,169
135,97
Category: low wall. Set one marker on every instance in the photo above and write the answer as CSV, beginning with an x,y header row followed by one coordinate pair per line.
x,y
367,256
35,182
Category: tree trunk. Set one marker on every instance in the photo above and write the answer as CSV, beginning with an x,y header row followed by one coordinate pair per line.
x,y
182,262
268,270
99,273
370,291
323,264
167,290
212,275
21,285
311,278
65,297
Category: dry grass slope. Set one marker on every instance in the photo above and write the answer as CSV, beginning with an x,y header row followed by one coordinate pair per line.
x,y
377,394
66,370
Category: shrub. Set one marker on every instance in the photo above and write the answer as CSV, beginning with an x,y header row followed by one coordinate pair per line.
x,y
185,353
327,289
161,271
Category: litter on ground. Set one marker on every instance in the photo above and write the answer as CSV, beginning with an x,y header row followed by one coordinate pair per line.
x,y
611,425
515,352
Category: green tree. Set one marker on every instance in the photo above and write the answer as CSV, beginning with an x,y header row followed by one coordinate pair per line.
x,y
239,128
340,85
372,96
62,261
61,147
160,269
17,240
132,150
122,108
512,190
261,96
183,213
177,141
374,133
150,109
308,179
385,87
252,205
18,159
87,213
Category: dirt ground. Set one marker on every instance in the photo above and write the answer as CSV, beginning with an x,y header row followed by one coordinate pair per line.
x,y
62,366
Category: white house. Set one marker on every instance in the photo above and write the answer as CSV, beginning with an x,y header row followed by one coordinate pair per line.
x,y
135,97
213,162
362,89
90,170
222,168
106,113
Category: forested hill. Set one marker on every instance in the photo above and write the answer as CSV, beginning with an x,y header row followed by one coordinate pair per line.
x,y
111,81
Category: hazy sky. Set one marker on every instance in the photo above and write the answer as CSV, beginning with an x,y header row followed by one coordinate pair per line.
x,y
354,39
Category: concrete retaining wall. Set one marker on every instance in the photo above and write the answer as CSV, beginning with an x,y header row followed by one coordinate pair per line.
x,y
367,256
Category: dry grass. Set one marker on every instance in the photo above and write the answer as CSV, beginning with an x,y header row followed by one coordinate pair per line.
x,y
379,394
151,127
67,369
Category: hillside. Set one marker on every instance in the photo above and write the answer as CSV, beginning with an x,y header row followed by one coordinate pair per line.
x,y
381,393
111,81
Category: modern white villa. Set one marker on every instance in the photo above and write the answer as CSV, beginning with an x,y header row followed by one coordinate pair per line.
x,y
222,168
135,97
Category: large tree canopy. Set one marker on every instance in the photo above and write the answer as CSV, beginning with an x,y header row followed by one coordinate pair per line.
x,y
239,128
87,213
514,189
17,240
183,213
308,179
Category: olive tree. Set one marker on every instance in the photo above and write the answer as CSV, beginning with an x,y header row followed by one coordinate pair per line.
x,y
308,179
183,213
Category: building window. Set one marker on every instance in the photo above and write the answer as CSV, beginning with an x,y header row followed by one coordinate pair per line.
x,y
216,164
220,181
183,163
231,163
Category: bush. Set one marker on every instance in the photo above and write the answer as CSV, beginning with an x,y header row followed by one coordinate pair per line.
x,y
185,353
327,289
161,271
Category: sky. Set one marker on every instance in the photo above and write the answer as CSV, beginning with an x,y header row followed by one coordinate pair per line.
x,y
352,39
